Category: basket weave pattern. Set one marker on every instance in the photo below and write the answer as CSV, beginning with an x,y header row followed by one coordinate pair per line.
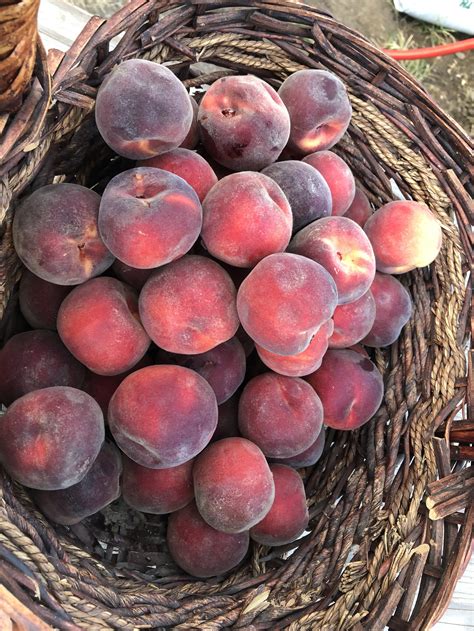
x,y
382,524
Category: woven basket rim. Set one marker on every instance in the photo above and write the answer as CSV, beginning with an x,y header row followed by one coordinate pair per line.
x,y
397,134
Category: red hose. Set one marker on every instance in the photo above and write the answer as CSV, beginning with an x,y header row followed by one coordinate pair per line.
x,y
432,51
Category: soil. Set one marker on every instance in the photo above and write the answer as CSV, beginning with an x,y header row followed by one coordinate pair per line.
x,y
450,80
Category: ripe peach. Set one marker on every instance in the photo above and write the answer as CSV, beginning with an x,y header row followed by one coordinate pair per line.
x,y
393,309
243,123
40,300
102,387
131,275
162,416
192,137
199,549
50,438
303,363
360,209
281,415
223,367
137,217
186,164
308,457
188,307
404,235
98,322
33,360
338,177
56,235
99,487
320,110
288,517
157,491
305,188
353,321
350,388
228,419
142,109
246,216
233,485
284,300
343,249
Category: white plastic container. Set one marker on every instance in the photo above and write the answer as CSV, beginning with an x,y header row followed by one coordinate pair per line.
x,y
453,14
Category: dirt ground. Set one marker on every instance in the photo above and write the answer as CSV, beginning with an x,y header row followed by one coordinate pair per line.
x,y
450,80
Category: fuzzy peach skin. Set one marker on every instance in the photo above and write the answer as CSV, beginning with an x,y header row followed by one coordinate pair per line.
x,y
157,491
404,235
308,457
350,388
102,387
188,307
393,308
192,137
305,188
282,415
246,217
138,217
320,110
303,363
243,123
40,300
223,367
288,517
199,549
99,324
233,485
338,177
186,164
283,302
353,321
50,438
131,275
343,249
142,109
56,235
33,360
360,209
162,416
99,488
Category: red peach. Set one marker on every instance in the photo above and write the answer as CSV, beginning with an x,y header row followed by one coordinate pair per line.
x,y
243,123
404,235
288,517
162,416
338,176
303,363
199,549
157,491
186,164
246,217
393,309
353,321
188,307
233,485
350,388
343,249
98,322
284,301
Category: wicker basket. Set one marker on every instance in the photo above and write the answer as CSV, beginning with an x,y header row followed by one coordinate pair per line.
x,y
391,504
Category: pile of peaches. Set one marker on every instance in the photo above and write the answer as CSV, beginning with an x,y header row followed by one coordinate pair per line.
x,y
194,328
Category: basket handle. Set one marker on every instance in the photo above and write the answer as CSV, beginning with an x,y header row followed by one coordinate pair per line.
x,y
18,42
